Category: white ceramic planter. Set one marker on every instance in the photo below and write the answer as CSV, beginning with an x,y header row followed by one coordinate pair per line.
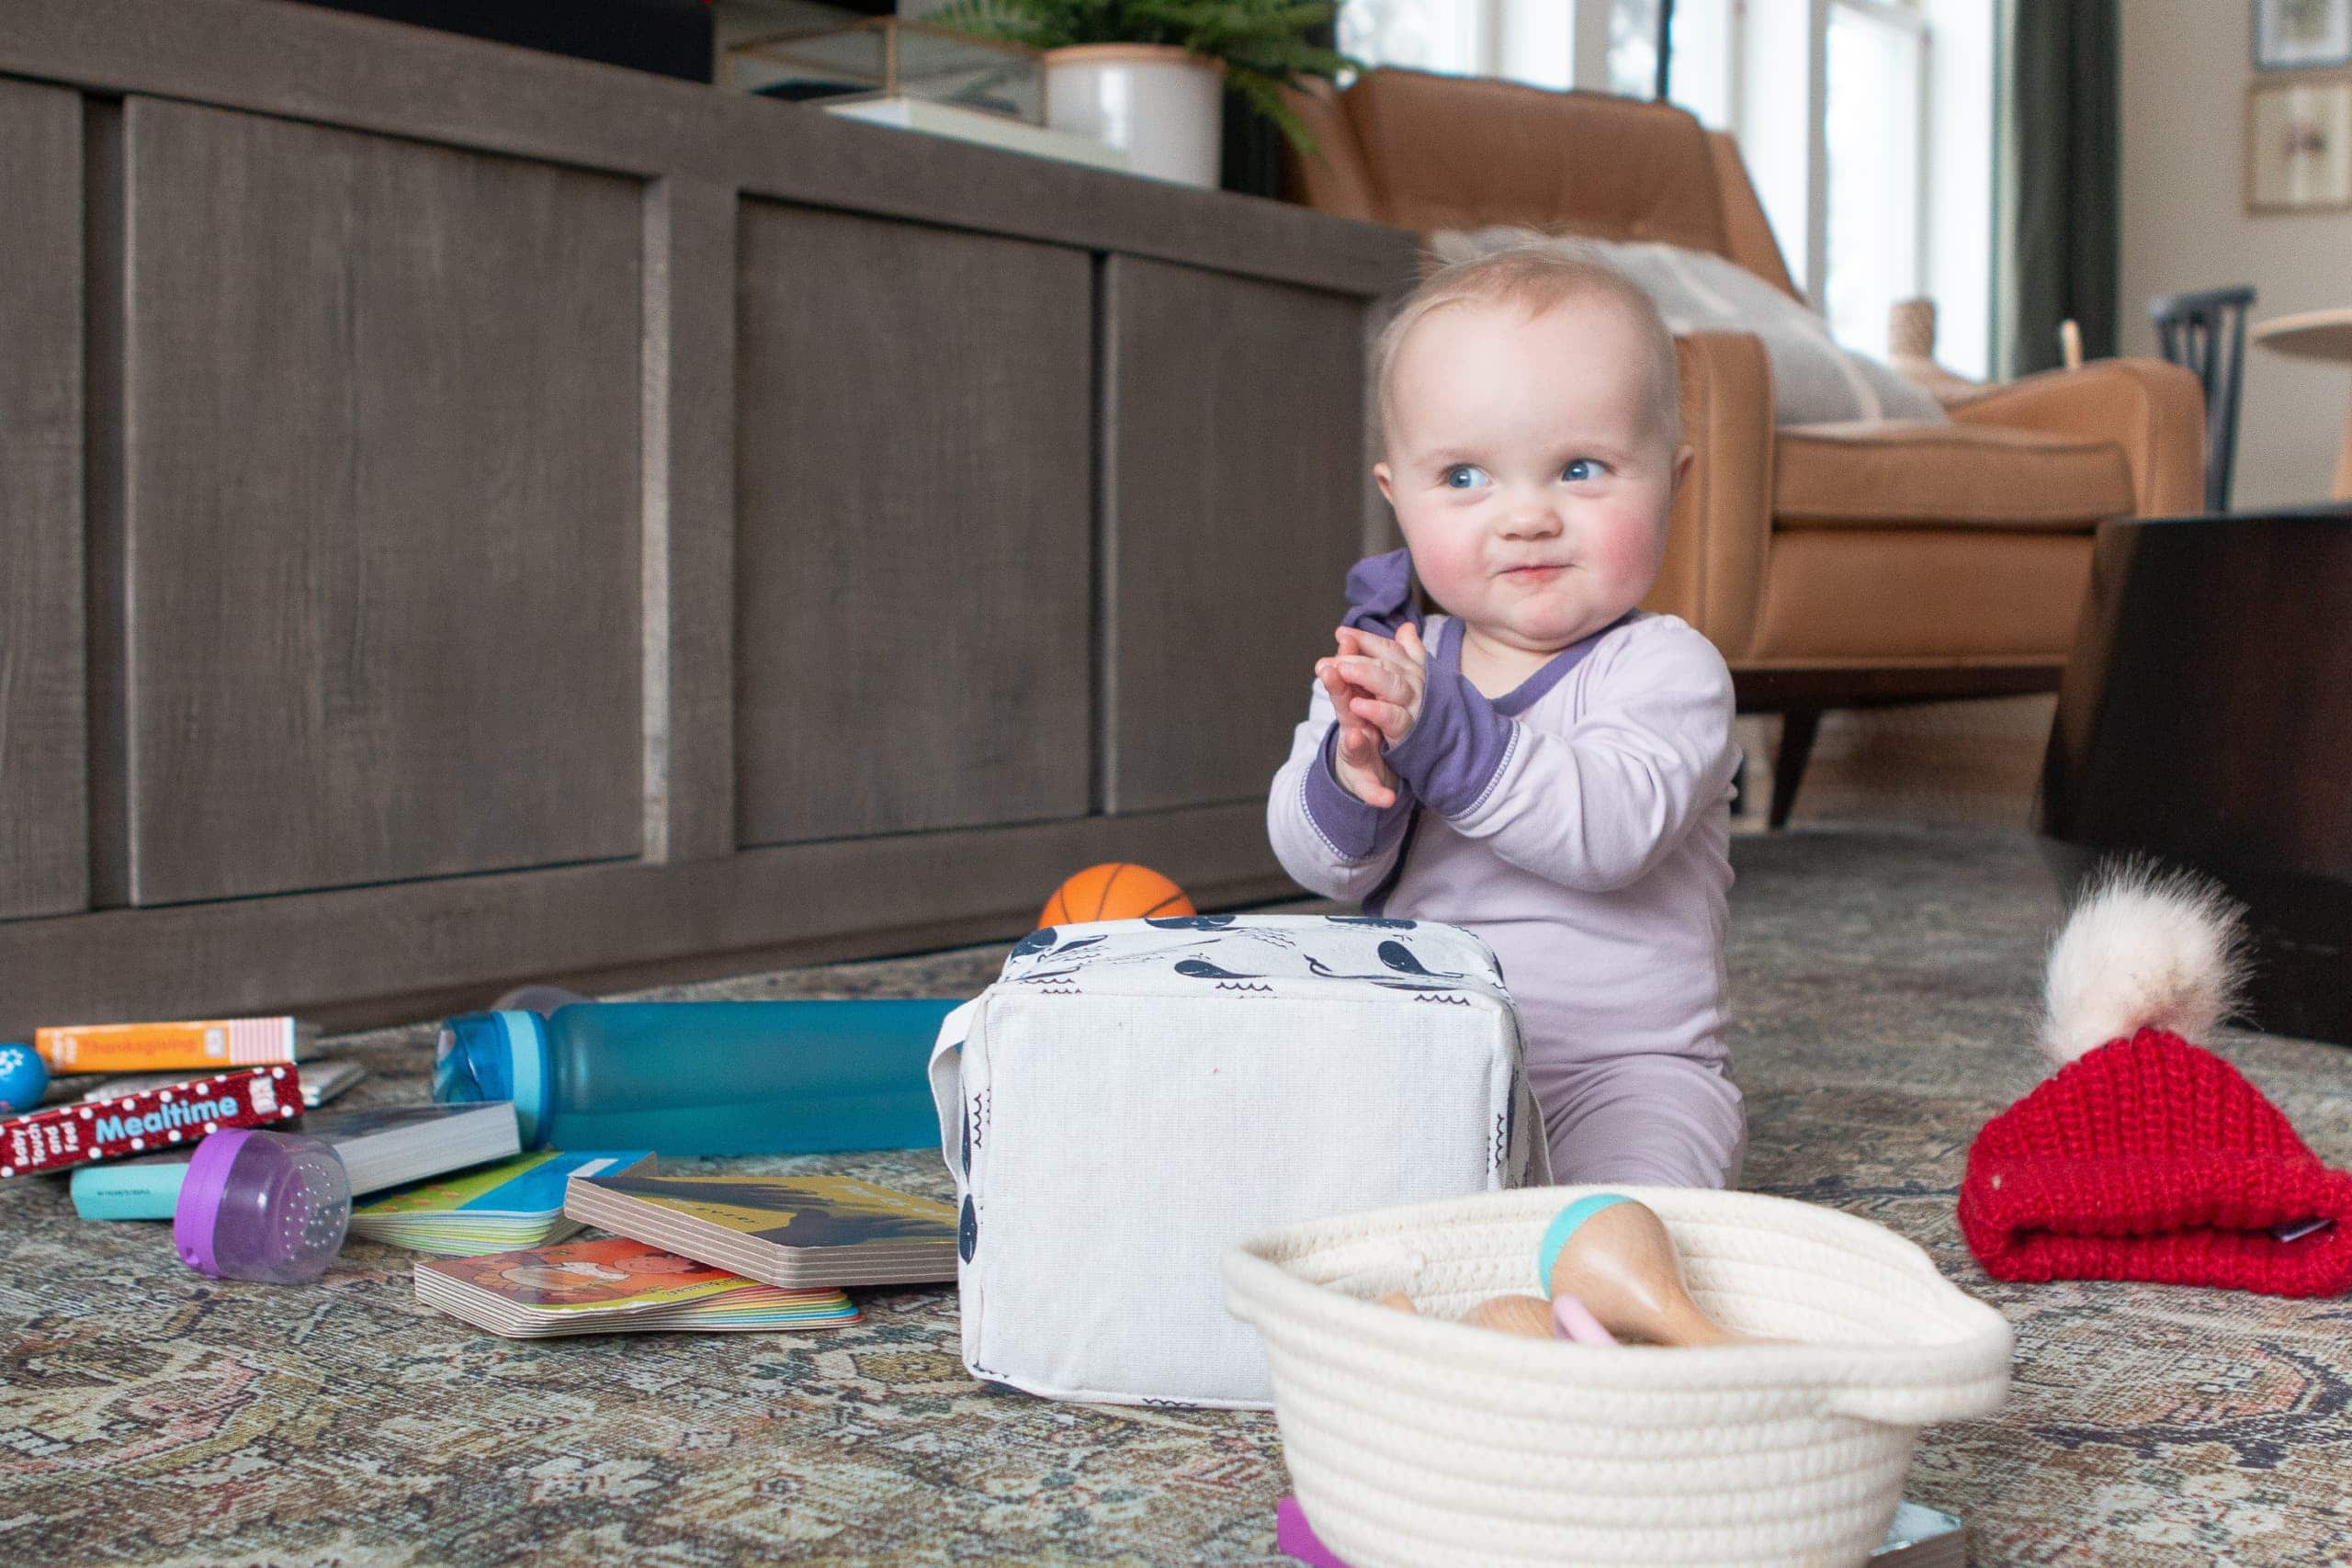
x,y
1158,104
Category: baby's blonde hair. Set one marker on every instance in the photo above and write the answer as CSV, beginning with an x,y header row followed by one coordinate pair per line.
x,y
1537,273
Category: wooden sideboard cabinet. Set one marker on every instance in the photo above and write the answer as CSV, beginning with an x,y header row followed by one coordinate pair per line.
x,y
474,515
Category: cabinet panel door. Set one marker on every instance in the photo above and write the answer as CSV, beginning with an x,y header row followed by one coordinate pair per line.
x,y
914,562
1234,448
44,826
382,510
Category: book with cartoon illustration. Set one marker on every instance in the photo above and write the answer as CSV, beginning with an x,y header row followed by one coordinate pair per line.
x,y
786,1230
497,1208
614,1285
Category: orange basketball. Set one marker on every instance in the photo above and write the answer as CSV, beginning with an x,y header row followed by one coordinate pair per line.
x,y
1114,891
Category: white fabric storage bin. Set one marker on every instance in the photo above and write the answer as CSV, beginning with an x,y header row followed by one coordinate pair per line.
x,y
1417,1442
1132,1098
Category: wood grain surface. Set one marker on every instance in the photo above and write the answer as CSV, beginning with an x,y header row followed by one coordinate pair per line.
x,y
44,808
1232,447
479,515
382,508
912,554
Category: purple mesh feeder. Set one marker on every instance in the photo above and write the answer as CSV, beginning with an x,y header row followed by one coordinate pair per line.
x,y
266,1206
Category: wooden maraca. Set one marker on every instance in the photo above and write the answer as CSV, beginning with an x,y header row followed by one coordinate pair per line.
x,y
1528,1316
1531,1317
1614,1255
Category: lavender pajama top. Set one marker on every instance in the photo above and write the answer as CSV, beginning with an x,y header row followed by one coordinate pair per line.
x,y
1580,824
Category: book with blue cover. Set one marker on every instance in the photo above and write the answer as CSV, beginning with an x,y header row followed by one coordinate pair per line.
x,y
381,1147
500,1208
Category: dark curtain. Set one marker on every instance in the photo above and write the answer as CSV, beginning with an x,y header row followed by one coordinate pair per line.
x,y
1252,159
2056,255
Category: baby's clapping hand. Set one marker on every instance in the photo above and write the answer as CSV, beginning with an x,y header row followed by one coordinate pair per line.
x,y
1375,687
1387,678
1356,759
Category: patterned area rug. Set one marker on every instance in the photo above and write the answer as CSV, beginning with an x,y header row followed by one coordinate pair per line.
x,y
1884,983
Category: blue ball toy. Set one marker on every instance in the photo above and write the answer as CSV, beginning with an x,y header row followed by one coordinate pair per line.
x,y
24,1078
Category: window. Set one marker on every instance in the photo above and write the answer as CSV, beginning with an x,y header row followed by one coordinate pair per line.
x,y
1877,55
1866,124
1526,40
1632,48
1428,35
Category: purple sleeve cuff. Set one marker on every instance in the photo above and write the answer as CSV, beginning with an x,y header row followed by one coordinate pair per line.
x,y
1379,594
1351,827
1457,748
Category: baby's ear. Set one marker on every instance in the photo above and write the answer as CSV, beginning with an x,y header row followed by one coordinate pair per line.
x,y
1683,456
1384,478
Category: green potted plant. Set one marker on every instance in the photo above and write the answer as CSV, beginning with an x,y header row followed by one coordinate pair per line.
x,y
1147,76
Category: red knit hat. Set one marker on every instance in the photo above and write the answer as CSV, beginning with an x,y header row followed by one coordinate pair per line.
x,y
2145,1158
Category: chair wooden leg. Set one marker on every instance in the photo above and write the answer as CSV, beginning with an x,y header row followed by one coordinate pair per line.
x,y
1797,728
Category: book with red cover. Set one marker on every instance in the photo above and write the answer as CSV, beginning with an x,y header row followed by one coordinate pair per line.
x,y
154,1119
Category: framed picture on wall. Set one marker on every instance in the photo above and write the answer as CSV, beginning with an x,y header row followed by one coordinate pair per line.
x,y
2299,144
2296,35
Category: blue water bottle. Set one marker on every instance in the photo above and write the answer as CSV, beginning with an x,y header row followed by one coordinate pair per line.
x,y
704,1078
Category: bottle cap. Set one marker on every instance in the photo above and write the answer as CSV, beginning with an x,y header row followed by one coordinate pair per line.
x,y
267,1206
495,1055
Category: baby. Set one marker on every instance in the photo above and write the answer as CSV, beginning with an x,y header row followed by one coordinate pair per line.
x,y
1543,763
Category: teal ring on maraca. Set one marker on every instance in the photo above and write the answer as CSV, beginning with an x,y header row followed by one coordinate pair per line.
x,y
1565,1223
24,1078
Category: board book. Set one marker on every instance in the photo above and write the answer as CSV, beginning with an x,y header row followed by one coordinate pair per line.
x,y
195,1044
176,1118
515,1204
786,1230
614,1285
381,1146
321,1081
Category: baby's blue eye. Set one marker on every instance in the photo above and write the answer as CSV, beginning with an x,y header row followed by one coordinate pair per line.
x,y
1463,476
1581,469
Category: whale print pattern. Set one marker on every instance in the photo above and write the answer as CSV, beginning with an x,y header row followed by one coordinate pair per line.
x,y
1202,969
1041,942
1254,955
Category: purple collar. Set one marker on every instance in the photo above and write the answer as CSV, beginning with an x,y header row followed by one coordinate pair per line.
x,y
1530,691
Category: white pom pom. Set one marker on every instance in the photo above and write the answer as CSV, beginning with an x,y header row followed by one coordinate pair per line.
x,y
2143,949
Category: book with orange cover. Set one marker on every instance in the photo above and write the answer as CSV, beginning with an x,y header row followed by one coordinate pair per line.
x,y
199,1045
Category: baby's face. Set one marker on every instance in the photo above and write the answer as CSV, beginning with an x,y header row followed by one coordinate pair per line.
x,y
1532,484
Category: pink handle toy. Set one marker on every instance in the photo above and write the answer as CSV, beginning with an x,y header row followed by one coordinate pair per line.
x,y
1572,1321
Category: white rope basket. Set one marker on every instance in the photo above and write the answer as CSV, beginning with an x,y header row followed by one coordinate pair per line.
x,y
1418,1441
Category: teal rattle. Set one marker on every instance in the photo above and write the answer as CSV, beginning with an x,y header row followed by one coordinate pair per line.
x,y
1613,1256
1607,1271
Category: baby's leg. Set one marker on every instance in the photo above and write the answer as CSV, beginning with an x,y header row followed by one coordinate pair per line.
x,y
1663,1120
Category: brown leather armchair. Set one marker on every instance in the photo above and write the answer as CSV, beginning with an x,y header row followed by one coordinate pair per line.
x,y
1833,565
